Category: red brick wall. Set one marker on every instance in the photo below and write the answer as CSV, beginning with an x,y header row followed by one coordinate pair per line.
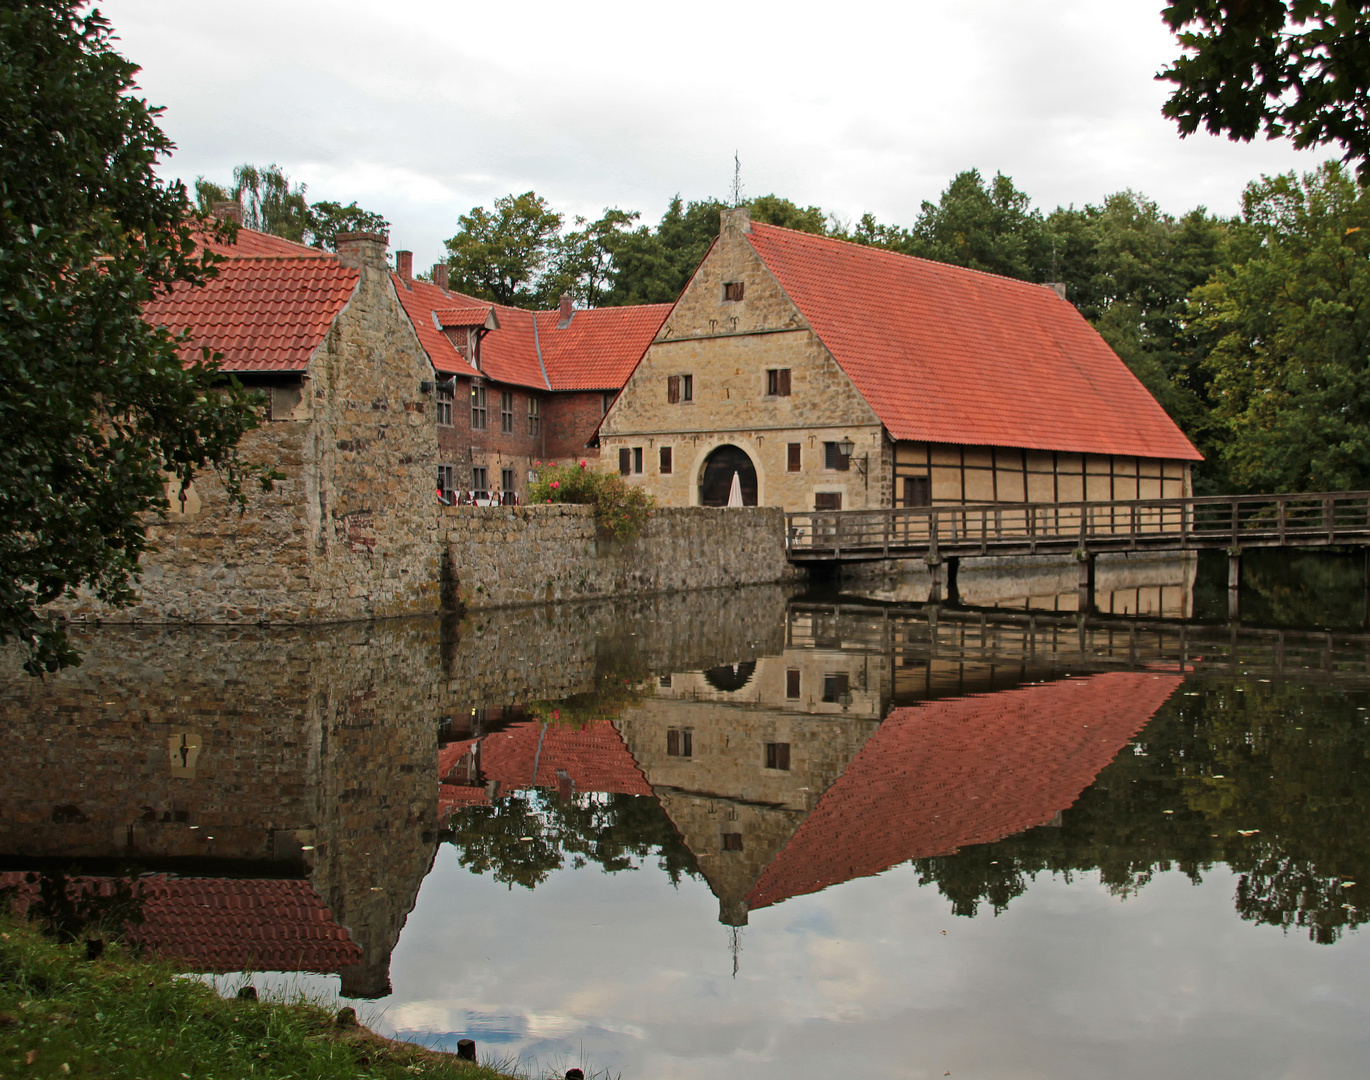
x,y
569,421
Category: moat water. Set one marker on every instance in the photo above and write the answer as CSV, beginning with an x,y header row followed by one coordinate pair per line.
x,y
756,833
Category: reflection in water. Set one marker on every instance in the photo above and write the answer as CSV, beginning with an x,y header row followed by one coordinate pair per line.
x,y
803,767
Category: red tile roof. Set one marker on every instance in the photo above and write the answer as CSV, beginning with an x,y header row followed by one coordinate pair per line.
x,y
944,354
598,351
253,244
600,348
261,313
475,315
594,756
939,776
231,924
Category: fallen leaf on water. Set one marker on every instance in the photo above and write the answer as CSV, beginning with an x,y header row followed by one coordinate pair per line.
x,y
1248,832
30,1056
1347,884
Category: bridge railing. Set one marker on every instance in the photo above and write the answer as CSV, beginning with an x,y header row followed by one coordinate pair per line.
x,y
1320,517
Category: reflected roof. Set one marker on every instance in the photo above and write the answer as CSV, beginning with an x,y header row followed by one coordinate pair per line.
x,y
939,776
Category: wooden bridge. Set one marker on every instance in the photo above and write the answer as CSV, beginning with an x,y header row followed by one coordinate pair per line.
x,y
942,535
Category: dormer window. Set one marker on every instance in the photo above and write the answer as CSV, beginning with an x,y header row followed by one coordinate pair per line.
x,y
732,290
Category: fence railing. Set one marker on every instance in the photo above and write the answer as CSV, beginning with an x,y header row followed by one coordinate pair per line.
x,y
1211,521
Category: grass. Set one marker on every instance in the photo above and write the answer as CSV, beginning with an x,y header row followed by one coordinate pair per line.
x,y
62,1016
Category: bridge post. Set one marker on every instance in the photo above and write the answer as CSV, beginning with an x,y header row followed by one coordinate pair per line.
x,y
1086,580
1234,583
935,565
953,587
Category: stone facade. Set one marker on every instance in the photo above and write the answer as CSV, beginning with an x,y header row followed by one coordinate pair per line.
x,y
540,554
727,347
347,533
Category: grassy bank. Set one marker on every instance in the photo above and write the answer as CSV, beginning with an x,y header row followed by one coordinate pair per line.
x,y
63,1016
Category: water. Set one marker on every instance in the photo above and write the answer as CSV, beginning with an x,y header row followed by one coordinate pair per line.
x,y
752,834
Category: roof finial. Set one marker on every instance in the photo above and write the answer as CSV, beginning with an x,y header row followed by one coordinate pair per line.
x,y
737,180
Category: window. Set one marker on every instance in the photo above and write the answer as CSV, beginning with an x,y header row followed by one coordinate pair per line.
x,y
447,485
534,417
732,841
732,290
792,683
506,483
447,395
837,685
665,465
506,412
283,402
680,742
793,459
637,460
917,491
687,388
477,408
480,488
605,401
833,458
778,382
827,500
625,461
778,756
672,389
664,681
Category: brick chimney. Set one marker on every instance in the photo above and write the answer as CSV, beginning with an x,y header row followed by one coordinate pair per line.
x,y
404,264
566,312
222,210
440,275
1058,287
363,250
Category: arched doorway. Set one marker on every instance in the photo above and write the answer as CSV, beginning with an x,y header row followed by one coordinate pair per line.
x,y
716,482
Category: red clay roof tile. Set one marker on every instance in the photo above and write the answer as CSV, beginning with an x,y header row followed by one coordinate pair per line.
x,y
944,354
938,776
600,348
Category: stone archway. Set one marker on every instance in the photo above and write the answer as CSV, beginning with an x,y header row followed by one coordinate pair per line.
x,y
716,479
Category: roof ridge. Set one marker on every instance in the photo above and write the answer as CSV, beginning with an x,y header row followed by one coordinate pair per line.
x,y
884,251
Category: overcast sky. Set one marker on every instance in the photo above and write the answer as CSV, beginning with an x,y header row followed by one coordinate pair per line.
x,y
421,109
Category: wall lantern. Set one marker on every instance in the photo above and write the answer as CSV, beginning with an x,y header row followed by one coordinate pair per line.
x,y
845,447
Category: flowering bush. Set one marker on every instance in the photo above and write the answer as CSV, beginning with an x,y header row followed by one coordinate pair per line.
x,y
621,509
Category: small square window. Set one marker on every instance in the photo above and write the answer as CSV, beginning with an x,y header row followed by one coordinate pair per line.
x,y
833,458
778,382
778,756
680,742
732,841
664,681
665,460
836,686
793,457
732,290
792,683
625,461
827,500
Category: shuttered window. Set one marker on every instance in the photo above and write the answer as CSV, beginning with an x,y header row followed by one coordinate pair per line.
x,y
732,290
666,462
778,755
680,742
625,461
792,683
732,841
778,382
794,457
673,389
827,500
836,684
833,458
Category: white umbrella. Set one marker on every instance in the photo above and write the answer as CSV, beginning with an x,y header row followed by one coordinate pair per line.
x,y
735,495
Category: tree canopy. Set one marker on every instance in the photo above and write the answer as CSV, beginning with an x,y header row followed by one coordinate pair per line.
x,y
1293,68
271,203
97,409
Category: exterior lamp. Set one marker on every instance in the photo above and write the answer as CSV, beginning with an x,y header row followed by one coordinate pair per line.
x,y
844,698
845,447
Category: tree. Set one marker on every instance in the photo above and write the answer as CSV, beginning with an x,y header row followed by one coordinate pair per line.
x,y
1290,321
97,409
325,220
275,205
1296,68
501,256
582,263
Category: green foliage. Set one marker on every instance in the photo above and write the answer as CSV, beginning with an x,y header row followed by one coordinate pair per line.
x,y
118,1016
272,204
1290,321
582,261
501,256
653,266
524,837
621,509
67,910
1295,68
95,405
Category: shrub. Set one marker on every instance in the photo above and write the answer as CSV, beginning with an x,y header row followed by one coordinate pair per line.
x,y
620,508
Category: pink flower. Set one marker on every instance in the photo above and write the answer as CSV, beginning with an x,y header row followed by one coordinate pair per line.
x,y
549,500
537,463
582,463
556,484
556,714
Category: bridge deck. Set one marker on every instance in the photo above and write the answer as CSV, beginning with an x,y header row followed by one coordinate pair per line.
x,y
936,532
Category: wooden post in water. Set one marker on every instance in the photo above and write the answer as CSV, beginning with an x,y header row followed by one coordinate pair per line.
x,y
466,1049
1086,580
935,565
953,588
1234,583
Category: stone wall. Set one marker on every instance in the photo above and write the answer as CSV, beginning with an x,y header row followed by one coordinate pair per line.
x,y
539,554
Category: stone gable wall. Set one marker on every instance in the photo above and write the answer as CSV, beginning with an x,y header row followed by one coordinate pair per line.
x,y
728,346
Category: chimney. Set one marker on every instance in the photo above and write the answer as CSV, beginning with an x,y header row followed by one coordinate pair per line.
x,y
363,249
404,264
739,220
222,210
440,275
566,312
1058,287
